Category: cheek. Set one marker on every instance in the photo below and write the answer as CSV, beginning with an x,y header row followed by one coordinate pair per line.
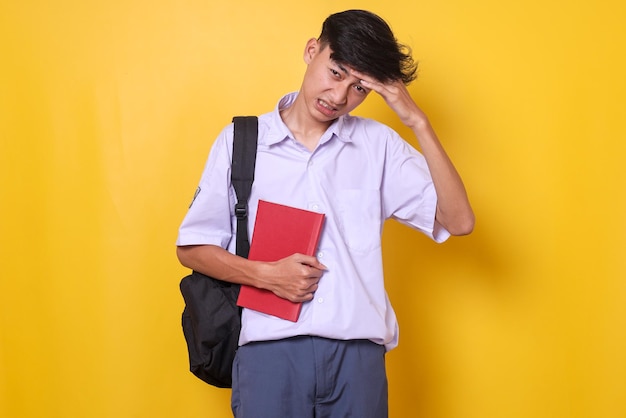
x,y
317,82
355,99
314,78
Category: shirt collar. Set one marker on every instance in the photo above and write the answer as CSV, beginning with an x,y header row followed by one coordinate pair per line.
x,y
278,131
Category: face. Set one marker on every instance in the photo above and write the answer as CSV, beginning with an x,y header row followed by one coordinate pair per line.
x,y
329,89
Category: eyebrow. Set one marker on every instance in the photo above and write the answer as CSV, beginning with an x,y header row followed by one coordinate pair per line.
x,y
341,67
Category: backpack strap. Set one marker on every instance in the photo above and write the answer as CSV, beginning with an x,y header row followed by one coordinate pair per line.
x,y
242,174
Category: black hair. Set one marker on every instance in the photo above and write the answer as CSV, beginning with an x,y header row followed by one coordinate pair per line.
x,y
365,42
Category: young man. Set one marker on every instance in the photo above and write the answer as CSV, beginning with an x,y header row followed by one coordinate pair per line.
x,y
313,155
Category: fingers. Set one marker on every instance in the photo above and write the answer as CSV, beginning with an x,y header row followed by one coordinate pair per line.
x,y
393,91
299,290
296,277
367,81
309,261
308,293
309,284
364,77
374,84
396,95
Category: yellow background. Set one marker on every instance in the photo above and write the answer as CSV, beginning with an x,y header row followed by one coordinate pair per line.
x,y
107,113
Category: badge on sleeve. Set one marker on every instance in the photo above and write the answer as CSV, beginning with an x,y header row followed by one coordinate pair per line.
x,y
195,195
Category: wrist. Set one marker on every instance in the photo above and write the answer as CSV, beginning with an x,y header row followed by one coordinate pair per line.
x,y
258,274
418,121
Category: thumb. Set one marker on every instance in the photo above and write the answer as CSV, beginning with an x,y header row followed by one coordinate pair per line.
x,y
311,261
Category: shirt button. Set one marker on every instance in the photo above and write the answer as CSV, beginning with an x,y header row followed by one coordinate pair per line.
x,y
320,254
315,207
320,300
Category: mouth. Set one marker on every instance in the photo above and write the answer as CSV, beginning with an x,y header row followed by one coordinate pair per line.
x,y
326,108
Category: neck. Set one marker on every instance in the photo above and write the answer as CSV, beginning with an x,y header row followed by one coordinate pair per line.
x,y
302,125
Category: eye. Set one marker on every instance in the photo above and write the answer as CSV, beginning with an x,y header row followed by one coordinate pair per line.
x,y
360,89
335,73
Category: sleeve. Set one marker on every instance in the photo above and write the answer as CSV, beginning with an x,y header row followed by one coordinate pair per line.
x,y
209,219
409,194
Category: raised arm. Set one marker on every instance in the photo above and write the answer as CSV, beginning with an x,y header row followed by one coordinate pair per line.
x,y
454,211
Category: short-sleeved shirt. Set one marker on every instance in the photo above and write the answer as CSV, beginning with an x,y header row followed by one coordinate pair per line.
x,y
360,174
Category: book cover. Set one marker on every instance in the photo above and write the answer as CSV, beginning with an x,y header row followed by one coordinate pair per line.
x,y
279,231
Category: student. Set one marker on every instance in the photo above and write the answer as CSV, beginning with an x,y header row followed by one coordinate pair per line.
x,y
313,155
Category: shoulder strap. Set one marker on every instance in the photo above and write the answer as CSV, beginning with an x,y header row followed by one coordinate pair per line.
x,y
242,174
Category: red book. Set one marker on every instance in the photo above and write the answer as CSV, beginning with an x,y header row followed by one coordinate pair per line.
x,y
279,231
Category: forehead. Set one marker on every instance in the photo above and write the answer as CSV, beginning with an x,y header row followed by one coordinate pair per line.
x,y
345,68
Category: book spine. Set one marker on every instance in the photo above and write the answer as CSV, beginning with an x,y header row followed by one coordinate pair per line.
x,y
315,236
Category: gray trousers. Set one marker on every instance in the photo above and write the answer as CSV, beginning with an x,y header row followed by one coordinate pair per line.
x,y
310,377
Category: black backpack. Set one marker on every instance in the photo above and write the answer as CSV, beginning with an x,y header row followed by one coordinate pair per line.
x,y
211,319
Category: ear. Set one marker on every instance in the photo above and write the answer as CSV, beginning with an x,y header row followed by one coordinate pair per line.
x,y
311,50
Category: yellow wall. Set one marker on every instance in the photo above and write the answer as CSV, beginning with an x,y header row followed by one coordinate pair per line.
x,y
107,112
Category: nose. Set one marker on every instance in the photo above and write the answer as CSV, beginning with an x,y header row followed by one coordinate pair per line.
x,y
339,94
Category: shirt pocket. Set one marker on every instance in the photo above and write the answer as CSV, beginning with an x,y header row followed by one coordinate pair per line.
x,y
360,219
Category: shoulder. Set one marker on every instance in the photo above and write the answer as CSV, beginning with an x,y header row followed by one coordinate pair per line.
x,y
360,128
